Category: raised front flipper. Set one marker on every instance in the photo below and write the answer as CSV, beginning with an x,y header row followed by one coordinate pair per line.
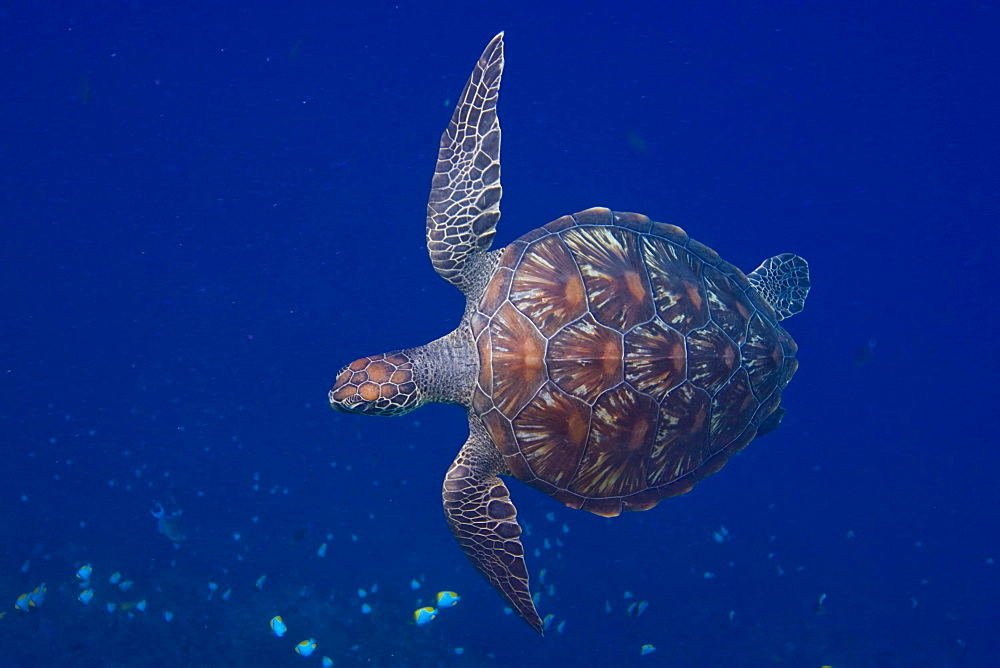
x,y
464,204
783,281
484,522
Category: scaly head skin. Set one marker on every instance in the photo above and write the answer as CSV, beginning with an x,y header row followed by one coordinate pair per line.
x,y
378,385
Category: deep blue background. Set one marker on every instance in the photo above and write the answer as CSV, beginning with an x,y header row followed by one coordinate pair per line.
x,y
208,208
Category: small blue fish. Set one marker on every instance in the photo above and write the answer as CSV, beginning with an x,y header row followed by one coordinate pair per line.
x,y
260,582
278,626
84,572
306,647
561,626
167,616
37,597
327,662
125,585
547,621
425,615
365,609
86,596
321,552
141,605
23,603
116,578
111,607
414,584
642,608
646,649
447,599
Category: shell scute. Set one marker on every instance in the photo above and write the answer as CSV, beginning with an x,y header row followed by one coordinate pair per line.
x,y
681,435
676,279
669,232
622,432
614,273
512,254
655,358
518,358
732,409
703,252
547,286
713,357
726,304
560,224
552,431
633,221
502,433
763,356
597,215
585,358
496,292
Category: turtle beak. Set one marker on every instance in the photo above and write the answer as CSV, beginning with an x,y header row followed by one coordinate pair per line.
x,y
352,404
345,399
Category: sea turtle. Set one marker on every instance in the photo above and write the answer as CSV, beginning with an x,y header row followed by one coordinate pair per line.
x,y
604,359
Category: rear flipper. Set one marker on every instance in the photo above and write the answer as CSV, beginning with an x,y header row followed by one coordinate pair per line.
x,y
783,282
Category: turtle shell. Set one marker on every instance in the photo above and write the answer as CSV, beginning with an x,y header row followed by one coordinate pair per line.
x,y
621,361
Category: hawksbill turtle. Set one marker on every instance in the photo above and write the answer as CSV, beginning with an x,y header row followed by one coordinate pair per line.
x,y
605,359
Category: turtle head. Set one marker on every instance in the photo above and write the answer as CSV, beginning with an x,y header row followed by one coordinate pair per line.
x,y
379,385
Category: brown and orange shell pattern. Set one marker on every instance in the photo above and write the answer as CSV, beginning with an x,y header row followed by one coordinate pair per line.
x,y
377,385
621,361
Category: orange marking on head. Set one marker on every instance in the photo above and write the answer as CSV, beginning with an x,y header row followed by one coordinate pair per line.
x,y
379,372
369,391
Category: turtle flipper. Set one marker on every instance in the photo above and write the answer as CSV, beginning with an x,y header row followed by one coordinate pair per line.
x,y
464,204
484,522
783,282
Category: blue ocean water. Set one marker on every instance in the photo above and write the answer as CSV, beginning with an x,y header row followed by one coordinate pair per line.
x,y
209,209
